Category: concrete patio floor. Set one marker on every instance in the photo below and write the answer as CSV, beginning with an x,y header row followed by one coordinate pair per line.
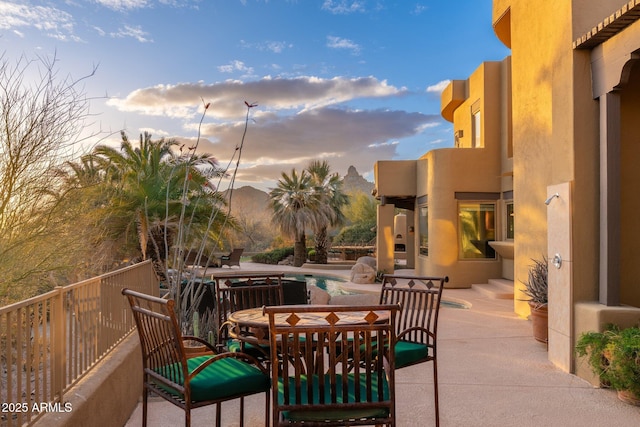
x,y
492,373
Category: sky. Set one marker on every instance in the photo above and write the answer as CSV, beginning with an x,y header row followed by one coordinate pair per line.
x,y
347,81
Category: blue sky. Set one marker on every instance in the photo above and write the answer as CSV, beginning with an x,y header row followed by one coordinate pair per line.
x,y
349,81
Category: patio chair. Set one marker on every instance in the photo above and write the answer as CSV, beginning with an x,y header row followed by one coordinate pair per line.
x,y
191,258
239,292
232,259
316,385
195,382
417,324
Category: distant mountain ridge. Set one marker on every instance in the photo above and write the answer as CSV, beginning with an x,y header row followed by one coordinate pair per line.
x,y
353,182
252,199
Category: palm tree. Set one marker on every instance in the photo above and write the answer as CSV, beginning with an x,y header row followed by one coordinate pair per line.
x,y
150,190
294,206
327,187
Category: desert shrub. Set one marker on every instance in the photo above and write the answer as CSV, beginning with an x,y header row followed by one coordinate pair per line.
x,y
357,234
272,257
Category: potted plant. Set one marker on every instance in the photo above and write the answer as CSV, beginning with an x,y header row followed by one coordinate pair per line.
x,y
614,355
536,288
312,255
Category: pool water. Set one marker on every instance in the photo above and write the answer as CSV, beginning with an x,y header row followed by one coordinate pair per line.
x,y
333,285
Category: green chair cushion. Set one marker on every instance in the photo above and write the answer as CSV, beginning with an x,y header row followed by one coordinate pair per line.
x,y
258,351
337,414
223,378
407,353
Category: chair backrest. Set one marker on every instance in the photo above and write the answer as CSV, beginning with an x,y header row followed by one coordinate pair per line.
x,y
294,292
419,297
163,356
334,363
242,291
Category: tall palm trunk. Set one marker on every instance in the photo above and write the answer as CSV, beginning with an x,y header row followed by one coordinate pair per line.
x,y
300,250
322,242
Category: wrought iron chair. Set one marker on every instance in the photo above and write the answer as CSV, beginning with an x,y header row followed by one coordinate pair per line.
x,y
417,324
194,382
232,259
317,384
239,292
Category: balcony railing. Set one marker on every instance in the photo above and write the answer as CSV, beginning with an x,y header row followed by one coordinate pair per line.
x,y
49,342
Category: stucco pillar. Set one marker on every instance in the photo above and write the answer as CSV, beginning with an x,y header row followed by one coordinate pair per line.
x,y
412,242
610,140
385,238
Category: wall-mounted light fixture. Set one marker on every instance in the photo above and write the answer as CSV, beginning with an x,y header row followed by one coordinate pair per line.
x,y
550,198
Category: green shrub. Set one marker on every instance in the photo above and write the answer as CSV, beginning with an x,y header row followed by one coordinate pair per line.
x,y
272,257
357,234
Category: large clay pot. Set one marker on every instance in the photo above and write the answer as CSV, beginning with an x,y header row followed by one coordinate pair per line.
x,y
540,321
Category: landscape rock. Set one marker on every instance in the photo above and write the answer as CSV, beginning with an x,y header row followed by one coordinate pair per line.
x,y
318,296
368,260
362,274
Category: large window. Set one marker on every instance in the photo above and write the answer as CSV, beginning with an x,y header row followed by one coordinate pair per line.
x,y
477,227
423,229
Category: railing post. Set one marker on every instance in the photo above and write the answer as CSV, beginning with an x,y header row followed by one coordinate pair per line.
x,y
59,344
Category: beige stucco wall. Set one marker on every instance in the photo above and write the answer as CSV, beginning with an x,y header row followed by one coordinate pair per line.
x,y
554,134
556,142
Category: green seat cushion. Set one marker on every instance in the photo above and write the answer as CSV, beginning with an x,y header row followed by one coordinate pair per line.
x,y
255,350
337,414
407,353
223,378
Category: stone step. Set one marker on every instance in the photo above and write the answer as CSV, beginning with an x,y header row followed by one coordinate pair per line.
x,y
496,288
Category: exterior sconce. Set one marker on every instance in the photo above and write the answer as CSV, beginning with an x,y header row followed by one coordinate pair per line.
x,y
411,229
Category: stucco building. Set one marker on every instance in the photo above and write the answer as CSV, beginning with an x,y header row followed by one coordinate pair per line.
x,y
560,116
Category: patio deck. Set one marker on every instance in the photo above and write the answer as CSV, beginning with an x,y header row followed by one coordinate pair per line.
x,y
491,371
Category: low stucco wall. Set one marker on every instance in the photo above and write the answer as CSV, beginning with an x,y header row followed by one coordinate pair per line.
x,y
592,316
108,395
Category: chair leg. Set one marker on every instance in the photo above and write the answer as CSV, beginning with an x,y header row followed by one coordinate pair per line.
x,y
267,408
435,391
145,398
218,421
242,411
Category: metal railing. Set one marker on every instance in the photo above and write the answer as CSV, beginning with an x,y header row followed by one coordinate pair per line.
x,y
49,342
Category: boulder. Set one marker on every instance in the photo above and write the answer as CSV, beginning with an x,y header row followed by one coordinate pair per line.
x,y
362,273
368,260
318,296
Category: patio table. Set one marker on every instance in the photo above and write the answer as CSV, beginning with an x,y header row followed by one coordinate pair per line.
x,y
252,325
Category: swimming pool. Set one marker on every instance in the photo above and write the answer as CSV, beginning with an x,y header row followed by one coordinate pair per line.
x,y
333,285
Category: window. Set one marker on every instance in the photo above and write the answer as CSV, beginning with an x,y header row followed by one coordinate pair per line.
x,y
423,229
476,228
476,138
510,221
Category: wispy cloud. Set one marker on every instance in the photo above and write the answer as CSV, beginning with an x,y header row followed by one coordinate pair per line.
x,y
133,32
340,43
52,21
438,87
124,5
343,7
270,45
419,9
235,66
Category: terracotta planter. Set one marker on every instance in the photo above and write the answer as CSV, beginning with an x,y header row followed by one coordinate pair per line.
x,y
540,322
196,349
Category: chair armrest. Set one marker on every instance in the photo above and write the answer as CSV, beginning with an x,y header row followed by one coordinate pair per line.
x,y
236,355
201,341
